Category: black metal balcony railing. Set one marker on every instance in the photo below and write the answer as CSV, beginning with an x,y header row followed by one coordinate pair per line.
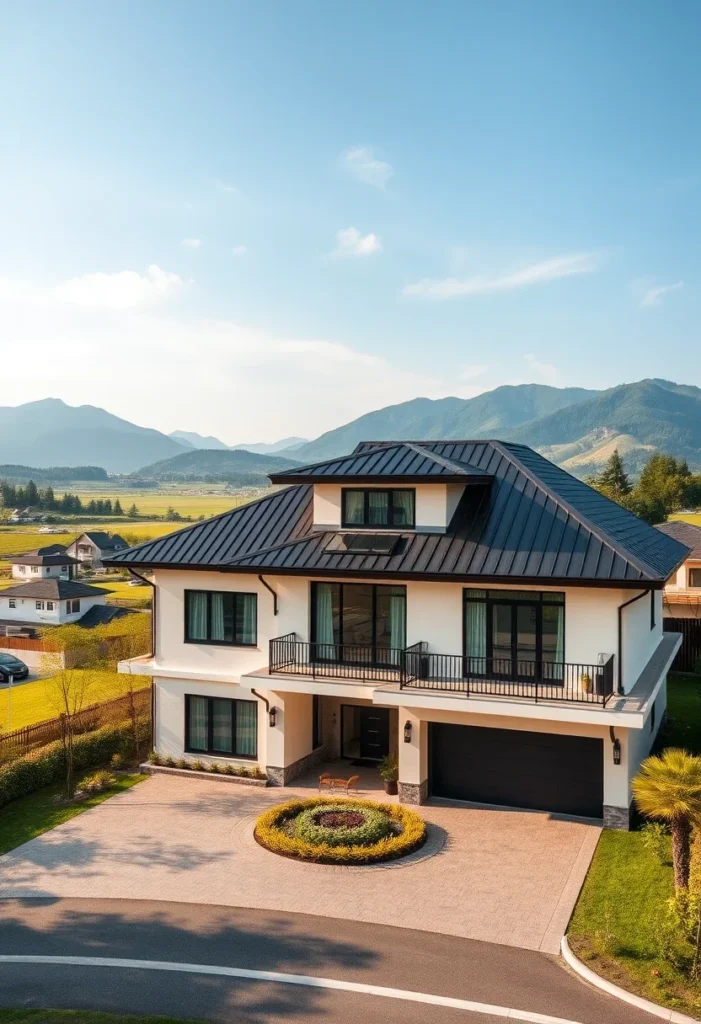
x,y
417,668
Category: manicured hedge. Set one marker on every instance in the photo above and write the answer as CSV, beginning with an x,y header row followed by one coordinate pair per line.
x,y
47,764
273,832
374,827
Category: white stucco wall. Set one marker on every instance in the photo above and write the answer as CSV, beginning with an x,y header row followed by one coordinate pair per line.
x,y
434,615
435,503
25,610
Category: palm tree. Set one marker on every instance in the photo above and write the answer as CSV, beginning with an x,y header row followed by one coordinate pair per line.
x,y
668,786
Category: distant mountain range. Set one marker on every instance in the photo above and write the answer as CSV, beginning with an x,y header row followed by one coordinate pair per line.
x,y
192,440
575,427
51,433
239,468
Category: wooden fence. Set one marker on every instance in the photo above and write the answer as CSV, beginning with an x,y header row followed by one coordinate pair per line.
x,y
110,712
689,653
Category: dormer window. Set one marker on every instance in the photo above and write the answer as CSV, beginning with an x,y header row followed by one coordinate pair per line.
x,y
390,509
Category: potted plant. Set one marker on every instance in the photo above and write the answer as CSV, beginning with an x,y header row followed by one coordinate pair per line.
x,y
585,680
389,770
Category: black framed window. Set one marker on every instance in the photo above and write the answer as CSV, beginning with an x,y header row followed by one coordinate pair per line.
x,y
358,622
517,634
221,617
382,509
695,577
218,725
317,738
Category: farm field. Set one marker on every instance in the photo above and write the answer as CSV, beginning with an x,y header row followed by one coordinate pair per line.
x,y
693,517
34,702
157,503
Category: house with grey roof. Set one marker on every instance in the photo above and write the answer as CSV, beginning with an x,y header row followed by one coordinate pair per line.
x,y
682,593
48,602
466,605
94,546
50,562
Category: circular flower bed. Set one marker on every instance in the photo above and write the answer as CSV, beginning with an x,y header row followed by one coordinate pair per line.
x,y
330,831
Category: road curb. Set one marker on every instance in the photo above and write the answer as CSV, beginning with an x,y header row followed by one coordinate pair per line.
x,y
621,993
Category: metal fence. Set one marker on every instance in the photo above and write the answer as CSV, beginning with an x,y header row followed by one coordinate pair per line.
x,y
110,712
689,654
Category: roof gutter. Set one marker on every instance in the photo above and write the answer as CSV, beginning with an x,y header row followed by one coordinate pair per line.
x,y
268,587
621,609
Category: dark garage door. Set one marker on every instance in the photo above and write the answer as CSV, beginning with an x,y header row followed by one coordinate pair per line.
x,y
518,769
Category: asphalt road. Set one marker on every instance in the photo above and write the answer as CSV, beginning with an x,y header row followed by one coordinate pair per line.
x,y
289,943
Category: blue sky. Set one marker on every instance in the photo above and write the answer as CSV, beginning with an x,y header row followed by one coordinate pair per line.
x,y
344,205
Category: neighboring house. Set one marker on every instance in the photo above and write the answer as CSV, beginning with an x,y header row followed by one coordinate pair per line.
x,y
92,548
468,605
48,602
682,594
51,562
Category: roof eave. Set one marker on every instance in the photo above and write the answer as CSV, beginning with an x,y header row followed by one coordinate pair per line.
x,y
540,581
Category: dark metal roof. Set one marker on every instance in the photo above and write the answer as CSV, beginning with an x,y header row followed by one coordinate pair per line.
x,y
101,614
532,522
39,558
685,533
53,590
104,541
400,461
264,523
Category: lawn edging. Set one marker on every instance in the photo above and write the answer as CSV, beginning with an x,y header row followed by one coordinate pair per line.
x,y
190,773
621,993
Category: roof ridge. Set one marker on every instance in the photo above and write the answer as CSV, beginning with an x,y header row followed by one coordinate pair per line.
x,y
338,458
580,517
440,459
277,547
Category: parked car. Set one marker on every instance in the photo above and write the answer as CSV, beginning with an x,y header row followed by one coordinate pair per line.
x,y
11,666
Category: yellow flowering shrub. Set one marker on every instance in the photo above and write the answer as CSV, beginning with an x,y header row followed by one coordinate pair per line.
x,y
408,833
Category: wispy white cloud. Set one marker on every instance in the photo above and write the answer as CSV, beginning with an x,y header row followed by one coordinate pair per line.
x,y
191,243
486,284
362,163
545,371
125,289
654,296
239,250
224,186
350,242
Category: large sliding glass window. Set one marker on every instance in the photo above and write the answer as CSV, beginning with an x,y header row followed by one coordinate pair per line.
x,y
217,725
358,622
514,634
220,617
378,508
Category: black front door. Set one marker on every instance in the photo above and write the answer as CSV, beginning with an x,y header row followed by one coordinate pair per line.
x,y
374,733
514,640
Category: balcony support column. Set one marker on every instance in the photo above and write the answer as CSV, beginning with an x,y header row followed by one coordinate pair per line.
x,y
413,758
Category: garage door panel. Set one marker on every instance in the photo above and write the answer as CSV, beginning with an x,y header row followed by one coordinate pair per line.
x,y
516,768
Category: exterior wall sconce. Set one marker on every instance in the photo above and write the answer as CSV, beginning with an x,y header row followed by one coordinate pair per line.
x,y
407,731
616,746
272,713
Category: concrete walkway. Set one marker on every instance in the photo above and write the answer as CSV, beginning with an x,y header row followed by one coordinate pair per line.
x,y
497,875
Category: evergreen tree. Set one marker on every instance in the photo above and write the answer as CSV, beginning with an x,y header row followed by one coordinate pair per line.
x,y
31,494
133,511
613,480
117,507
108,507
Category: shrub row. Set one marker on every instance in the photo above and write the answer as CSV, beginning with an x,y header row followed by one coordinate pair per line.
x,y
375,825
47,765
270,833
243,771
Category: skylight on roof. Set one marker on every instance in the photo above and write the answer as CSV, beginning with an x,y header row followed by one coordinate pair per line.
x,y
363,543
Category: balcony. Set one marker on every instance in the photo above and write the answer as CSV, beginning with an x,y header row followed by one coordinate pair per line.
x,y
417,668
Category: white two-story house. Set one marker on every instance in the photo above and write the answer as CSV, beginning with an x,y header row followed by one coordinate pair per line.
x,y
468,605
49,563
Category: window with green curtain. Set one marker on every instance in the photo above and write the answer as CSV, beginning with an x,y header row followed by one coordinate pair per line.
x,y
326,599
353,508
246,728
220,617
220,725
378,508
476,635
198,723
197,625
402,508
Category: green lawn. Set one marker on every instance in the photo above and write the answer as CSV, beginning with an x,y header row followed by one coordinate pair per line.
x,y
619,919
80,1017
36,702
28,817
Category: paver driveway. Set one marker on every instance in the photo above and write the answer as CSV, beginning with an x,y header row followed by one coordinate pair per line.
x,y
497,875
